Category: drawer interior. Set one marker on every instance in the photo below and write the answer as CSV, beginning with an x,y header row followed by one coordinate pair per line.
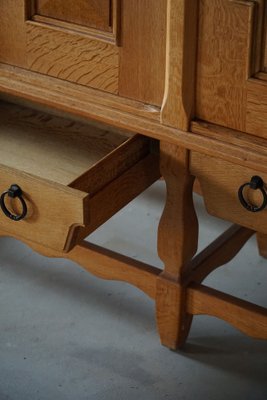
x,y
74,175
51,147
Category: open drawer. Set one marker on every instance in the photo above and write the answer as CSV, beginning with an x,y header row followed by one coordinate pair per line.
x,y
73,176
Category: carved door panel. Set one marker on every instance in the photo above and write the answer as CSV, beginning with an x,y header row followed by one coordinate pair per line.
x,y
232,61
103,44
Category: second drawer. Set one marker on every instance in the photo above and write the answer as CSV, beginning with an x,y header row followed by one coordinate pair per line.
x,y
220,182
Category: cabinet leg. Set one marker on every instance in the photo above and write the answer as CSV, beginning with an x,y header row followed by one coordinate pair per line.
x,y
177,244
172,320
262,244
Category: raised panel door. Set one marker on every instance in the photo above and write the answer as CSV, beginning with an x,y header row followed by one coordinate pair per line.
x,y
118,46
231,69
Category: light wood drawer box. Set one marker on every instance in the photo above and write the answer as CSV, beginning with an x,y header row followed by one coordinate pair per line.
x,y
220,181
74,176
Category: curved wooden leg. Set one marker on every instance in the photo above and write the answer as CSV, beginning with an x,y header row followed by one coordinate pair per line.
x,y
262,244
177,244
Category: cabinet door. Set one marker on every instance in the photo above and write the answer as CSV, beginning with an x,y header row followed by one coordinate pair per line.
x,y
232,65
118,46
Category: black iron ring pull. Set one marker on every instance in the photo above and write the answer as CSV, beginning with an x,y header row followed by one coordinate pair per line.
x,y
256,183
13,192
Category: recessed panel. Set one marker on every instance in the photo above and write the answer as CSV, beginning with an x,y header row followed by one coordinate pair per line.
x,y
90,13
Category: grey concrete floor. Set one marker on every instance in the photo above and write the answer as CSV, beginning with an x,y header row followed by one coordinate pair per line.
x,y
66,335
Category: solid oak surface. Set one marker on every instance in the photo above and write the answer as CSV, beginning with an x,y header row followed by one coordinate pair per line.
x,y
50,147
83,12
67,170
189,73
220,190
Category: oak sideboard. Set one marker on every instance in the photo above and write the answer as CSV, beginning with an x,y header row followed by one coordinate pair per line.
x,y
101,99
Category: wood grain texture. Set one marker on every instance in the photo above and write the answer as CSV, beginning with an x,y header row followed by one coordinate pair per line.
x,y
53,148
220,190
95,34
104,264
44,153
45,222
178,227
116,162
93,13
247,317
70,53
72,56
12,33
230,145
170,312
177,244
142,51
179,96
107,264
257,39
227,95
87,103
238,140
119,192
219,252
52,92
46,200
98,21
256,116
61,52
223,62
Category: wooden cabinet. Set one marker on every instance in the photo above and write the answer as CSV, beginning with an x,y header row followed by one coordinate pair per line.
x,y
156,53
142,58
191,74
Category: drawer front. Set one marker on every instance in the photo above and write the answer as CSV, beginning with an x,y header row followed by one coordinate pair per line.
x,y
220,182
52,209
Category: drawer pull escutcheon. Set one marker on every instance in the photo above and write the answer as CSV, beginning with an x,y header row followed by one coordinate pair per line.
x,y
256,183
13,192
